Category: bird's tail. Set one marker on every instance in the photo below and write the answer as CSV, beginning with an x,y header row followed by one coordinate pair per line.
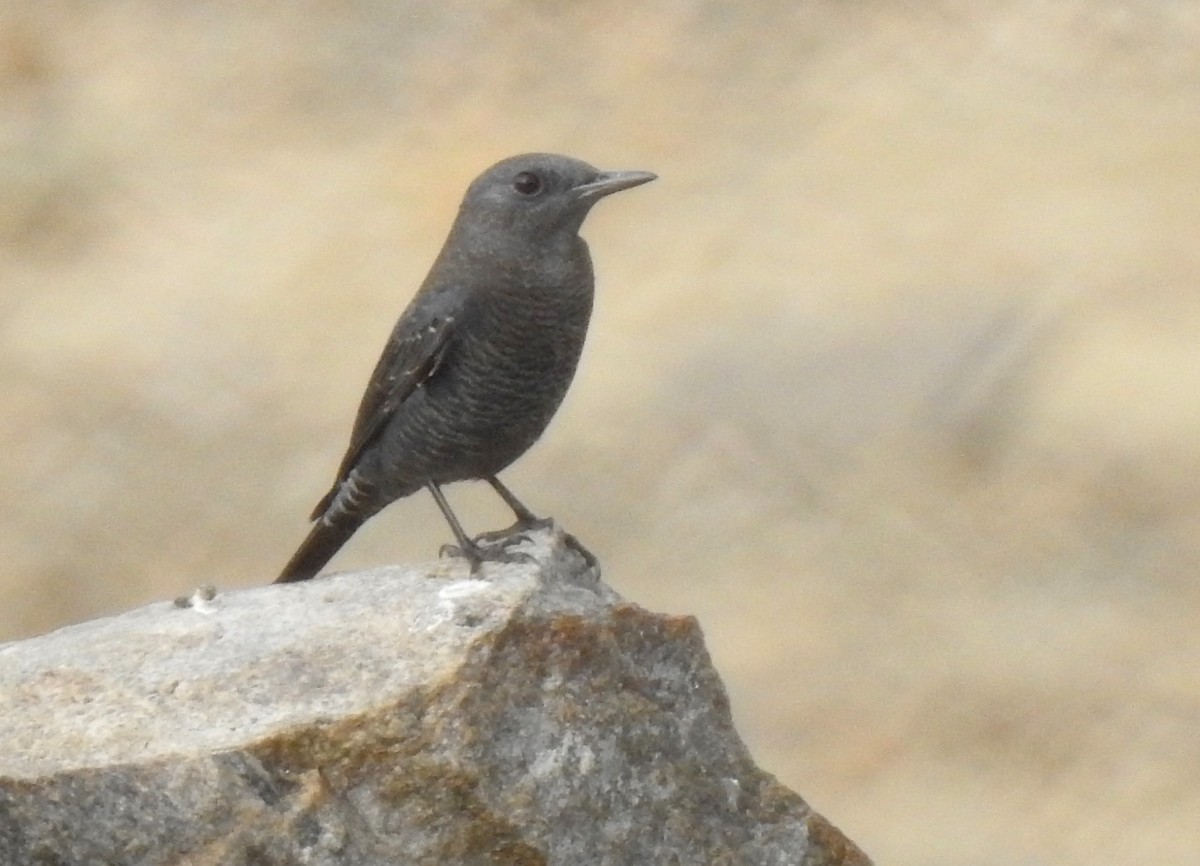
x,y
339,514
323,541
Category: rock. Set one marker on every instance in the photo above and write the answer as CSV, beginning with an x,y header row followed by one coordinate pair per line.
x,y
395,716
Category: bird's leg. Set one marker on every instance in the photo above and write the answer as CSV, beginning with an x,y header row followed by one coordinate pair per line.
x,y
528,521
465,547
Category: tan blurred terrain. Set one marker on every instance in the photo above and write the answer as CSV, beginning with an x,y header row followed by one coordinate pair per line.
x,y
894,378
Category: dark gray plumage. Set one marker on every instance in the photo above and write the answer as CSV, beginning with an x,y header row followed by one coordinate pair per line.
x,y
481,358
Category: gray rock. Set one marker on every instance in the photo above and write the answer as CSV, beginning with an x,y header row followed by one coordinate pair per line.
x,y
396,716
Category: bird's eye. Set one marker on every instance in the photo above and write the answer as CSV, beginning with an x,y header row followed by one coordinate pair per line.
x,y
527,183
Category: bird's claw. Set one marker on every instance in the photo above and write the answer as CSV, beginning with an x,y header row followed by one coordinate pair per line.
x,y
519,531
503,539
477,555
589,558
495,546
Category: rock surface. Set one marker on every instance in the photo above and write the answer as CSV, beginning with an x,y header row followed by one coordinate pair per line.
x,y
397,716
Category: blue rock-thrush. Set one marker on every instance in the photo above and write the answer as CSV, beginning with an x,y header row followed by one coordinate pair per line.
x,y
480,360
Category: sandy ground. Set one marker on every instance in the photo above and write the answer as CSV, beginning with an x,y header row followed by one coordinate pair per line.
x,y
893,379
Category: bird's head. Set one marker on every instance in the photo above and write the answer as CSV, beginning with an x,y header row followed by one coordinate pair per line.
x,y
539,197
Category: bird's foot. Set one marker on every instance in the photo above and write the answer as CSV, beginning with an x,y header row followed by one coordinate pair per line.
x,y
515,533
495,546
477,555
519,532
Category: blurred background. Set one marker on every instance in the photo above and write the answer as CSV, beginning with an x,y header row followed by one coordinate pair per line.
x,y
893,380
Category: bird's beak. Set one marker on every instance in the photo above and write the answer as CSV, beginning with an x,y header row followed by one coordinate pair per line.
x,y
608,182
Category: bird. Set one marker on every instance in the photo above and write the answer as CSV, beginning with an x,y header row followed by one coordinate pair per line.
x,y
479,360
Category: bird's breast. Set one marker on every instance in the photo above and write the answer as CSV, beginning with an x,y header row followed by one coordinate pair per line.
x,y
502,376
520,350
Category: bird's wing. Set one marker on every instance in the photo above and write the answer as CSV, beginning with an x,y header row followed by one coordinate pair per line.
x,y
411,355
